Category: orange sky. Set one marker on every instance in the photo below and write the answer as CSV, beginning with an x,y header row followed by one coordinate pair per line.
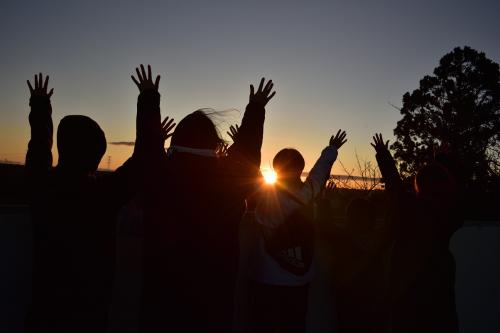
x,y
334,64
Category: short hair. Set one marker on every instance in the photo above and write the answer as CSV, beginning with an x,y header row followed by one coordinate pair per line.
x,y
81,143
430,176
196,130
289,159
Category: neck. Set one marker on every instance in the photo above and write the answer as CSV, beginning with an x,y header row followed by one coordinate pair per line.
x,y
73,172
291,183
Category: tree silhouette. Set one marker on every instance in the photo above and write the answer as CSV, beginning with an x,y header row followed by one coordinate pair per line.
x,y
456,109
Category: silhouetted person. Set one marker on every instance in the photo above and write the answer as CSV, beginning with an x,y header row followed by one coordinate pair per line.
x,y
73,212
280,265
193,205
360,257
422,277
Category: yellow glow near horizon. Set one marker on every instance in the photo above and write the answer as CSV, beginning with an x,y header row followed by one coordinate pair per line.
x,y
269,176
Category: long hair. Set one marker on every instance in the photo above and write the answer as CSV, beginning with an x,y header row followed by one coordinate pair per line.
x,y
197,130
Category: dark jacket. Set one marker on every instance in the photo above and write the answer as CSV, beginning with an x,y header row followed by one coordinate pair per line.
x,y
73,216
422,274
192,209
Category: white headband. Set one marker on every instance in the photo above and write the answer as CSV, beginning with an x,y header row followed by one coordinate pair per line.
x,y
194,151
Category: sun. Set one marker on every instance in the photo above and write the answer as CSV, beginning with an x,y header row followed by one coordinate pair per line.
x,y
269,176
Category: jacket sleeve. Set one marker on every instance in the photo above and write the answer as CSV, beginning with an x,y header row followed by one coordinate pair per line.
x,y
244,155
39,155
248,142
390,174
319,174
127,180
148,126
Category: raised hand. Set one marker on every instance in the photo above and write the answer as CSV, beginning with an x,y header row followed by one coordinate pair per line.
x,y
233,132
329,189
330,186
145,82
378,143
221,150
263,94
339,139
40,88
166,127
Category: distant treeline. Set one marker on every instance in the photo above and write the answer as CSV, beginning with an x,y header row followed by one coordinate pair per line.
x,y
477,206
13,184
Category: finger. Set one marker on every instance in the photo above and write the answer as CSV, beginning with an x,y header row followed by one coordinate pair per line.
x,y
164,121
268,84
168,136
150,77
252,90
50,92
169,123
29,85
143,71
268,90
36,82
373,145
170,128
135,81
139,76
46,84
157,82
237,127
39,80
271,96
339,144
387,144
261,84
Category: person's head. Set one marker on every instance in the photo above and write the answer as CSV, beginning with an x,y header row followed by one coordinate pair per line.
x,y
196,130
81,144
288,164
434,182
360,214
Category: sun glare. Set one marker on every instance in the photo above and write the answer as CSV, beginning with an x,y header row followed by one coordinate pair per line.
x,y
269,176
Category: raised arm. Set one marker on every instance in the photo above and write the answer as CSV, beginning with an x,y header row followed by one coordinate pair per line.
x,y
386,164
149,134
39,156
248,140
320,172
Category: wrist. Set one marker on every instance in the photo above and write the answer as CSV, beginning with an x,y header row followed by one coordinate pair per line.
x,y
39,100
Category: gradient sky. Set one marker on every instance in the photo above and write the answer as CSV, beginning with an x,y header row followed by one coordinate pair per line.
x,y
335,64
